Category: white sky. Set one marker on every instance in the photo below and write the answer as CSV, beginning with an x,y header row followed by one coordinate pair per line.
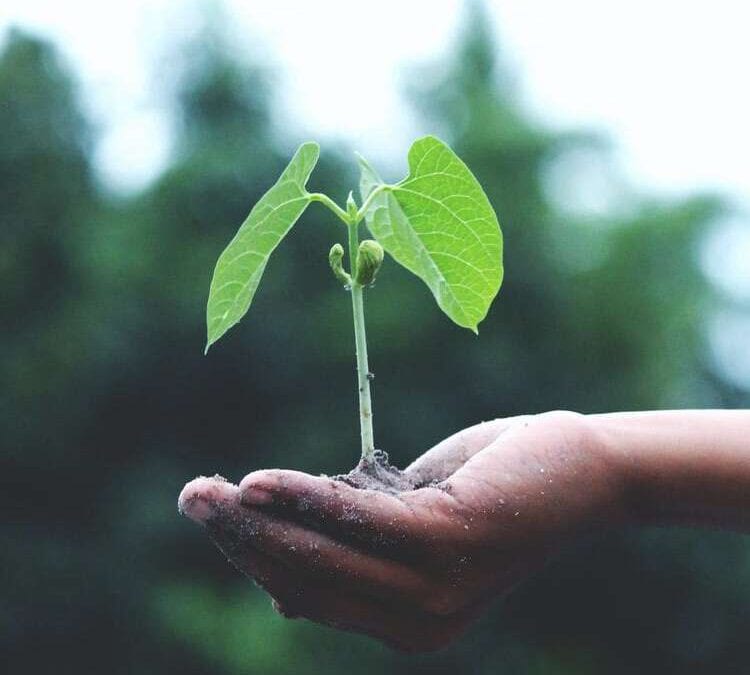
x,y
668,81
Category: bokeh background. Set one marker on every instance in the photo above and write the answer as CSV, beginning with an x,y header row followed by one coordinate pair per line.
x,y
616,296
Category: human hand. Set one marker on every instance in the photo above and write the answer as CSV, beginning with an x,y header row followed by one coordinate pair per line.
x,y
415,568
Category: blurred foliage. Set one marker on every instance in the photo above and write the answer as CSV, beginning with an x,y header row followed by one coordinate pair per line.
x,y
107,405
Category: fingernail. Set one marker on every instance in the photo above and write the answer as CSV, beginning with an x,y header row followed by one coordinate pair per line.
x,y
255,496
197,509
198,499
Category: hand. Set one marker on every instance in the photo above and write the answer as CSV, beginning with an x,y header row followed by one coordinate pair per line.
x,y
414,569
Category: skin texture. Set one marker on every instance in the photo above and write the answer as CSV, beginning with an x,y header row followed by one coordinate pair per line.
x,y
415,569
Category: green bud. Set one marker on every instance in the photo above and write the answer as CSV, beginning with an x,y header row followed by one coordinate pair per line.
x,y
351,206
335,259
369,260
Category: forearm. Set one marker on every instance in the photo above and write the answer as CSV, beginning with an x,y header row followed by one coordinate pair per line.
x,y
688,467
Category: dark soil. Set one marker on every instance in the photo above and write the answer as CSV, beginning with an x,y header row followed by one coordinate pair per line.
x,y
379,474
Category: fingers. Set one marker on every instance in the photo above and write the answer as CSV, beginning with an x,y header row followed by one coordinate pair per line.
x,y
310,575
403,627
240,531
201,497
297,594
380,520
325,561
450,454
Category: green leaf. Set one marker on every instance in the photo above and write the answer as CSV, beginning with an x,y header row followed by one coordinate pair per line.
x,y
240,266
439,224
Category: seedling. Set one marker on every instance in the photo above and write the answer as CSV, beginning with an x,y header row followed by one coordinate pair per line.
x,y
437,223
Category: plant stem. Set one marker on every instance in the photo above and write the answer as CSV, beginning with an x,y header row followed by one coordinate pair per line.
x,y
360,339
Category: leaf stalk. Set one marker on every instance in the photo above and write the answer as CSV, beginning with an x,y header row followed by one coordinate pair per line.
x,y
332,205
370,199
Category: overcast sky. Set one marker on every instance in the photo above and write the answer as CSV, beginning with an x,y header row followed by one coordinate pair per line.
x,y
668,81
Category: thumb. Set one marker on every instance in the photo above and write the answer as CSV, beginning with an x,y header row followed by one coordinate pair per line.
x,y
452,453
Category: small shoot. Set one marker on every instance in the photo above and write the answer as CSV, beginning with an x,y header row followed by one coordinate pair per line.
x,y
437,223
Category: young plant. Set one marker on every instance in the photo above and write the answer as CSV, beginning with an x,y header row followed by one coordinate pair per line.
x,y
437,222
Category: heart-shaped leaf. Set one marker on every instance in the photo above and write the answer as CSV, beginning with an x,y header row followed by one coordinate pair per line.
x,y
240,266
439,224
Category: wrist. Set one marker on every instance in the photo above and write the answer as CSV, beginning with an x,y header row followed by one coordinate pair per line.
x,y
611,482
606,444
688,467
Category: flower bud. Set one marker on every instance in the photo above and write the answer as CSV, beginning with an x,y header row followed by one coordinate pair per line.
x,y
335,259
369,260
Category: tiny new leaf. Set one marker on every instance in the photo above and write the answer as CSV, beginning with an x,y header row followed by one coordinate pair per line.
x,y
439,224
240,266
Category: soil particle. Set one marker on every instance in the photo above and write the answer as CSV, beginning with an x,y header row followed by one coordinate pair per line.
x,y
378,474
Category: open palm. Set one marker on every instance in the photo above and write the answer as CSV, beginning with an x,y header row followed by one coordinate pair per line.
x,y
414,568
